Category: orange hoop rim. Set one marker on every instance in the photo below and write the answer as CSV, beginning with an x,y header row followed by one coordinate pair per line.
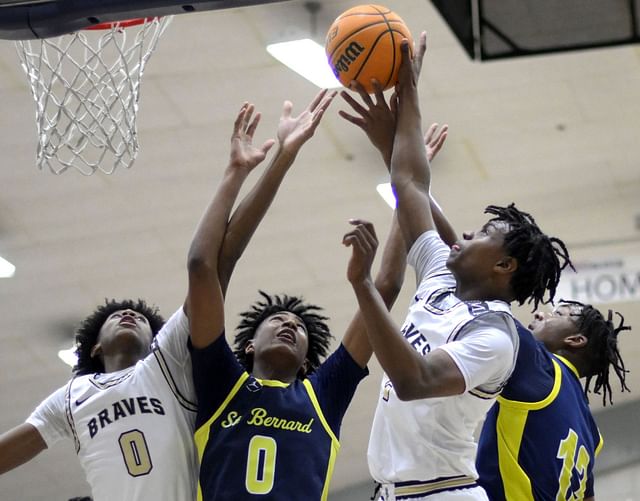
x,y
127,23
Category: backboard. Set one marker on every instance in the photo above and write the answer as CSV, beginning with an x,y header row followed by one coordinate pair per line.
x,y
32,19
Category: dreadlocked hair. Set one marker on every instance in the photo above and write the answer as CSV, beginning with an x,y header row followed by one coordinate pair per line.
x,y
317,330
541,258
602,347
87,333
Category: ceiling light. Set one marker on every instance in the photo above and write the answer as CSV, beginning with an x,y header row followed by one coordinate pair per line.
x,y
308,59
6,268
69,356
385,191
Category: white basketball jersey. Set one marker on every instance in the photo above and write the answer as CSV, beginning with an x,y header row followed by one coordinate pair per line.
x,y
432,438
133,429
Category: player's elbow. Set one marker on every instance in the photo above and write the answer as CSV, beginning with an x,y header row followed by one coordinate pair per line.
x,y
406,392
408,389
403,392
422,383
199,266
389,286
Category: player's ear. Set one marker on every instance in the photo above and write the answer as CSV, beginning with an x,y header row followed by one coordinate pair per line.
x,y
576,341
96,350
302,372
506,264
249,348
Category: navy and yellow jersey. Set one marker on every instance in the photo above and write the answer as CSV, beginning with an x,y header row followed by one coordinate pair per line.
x,y
539,440
268,440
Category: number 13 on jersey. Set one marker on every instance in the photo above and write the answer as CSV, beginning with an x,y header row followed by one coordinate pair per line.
x,y
576,460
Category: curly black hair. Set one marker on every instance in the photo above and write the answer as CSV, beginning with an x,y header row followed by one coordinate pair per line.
x,y
89,329
602,351
317,330
541,258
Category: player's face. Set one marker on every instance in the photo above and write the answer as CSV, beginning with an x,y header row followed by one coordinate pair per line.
x,y
474,257
553,328
125,330
283,334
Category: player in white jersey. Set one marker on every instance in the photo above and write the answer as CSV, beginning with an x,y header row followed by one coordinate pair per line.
x,y
458,344
130,406
131,423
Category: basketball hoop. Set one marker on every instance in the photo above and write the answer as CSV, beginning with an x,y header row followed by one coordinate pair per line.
x,y
86,86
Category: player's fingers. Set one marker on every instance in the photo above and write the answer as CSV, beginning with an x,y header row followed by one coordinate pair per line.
x,y
287,106
254,124
357,107
267,145
366,230
354,120
348,239
405,63
440,141
316,100
370,234
247,116
420,52
322,107
328,99
240,117
428,136
378,92
364,95
393,103
315,119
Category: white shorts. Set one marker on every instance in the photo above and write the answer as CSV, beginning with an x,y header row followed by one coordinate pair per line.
x,y
388,492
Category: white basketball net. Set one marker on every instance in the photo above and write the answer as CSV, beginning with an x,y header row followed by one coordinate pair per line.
x,y
86,86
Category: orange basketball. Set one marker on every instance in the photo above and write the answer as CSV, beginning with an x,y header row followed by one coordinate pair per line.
x,y
364,43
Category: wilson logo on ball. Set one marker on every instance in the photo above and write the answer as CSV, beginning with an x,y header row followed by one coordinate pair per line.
x,y
364,43
349,56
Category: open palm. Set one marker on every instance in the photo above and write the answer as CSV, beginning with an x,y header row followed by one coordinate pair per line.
x,y
293,132
243,153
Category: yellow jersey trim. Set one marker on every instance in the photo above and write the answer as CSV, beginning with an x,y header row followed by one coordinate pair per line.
x,y
201,435
534,406
274,383
600,444
335,445
568,364
510,427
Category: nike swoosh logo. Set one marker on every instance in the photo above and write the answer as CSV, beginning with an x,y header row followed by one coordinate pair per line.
x,y
80,402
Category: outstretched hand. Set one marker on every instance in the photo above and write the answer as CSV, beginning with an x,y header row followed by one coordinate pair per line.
x,y
411,64
293,132
244,154
363,242
433,140
376,118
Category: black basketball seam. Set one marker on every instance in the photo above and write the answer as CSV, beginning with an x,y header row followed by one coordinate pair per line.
x,y
393,46
392,31
364,63
361,28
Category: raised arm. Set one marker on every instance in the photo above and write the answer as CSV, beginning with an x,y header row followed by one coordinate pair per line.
x,y
293,133
19,445
205,300
388,283
413,376
410,170
377,119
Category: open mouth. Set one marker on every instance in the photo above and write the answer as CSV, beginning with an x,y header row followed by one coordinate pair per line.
x,y
287,335
127,323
